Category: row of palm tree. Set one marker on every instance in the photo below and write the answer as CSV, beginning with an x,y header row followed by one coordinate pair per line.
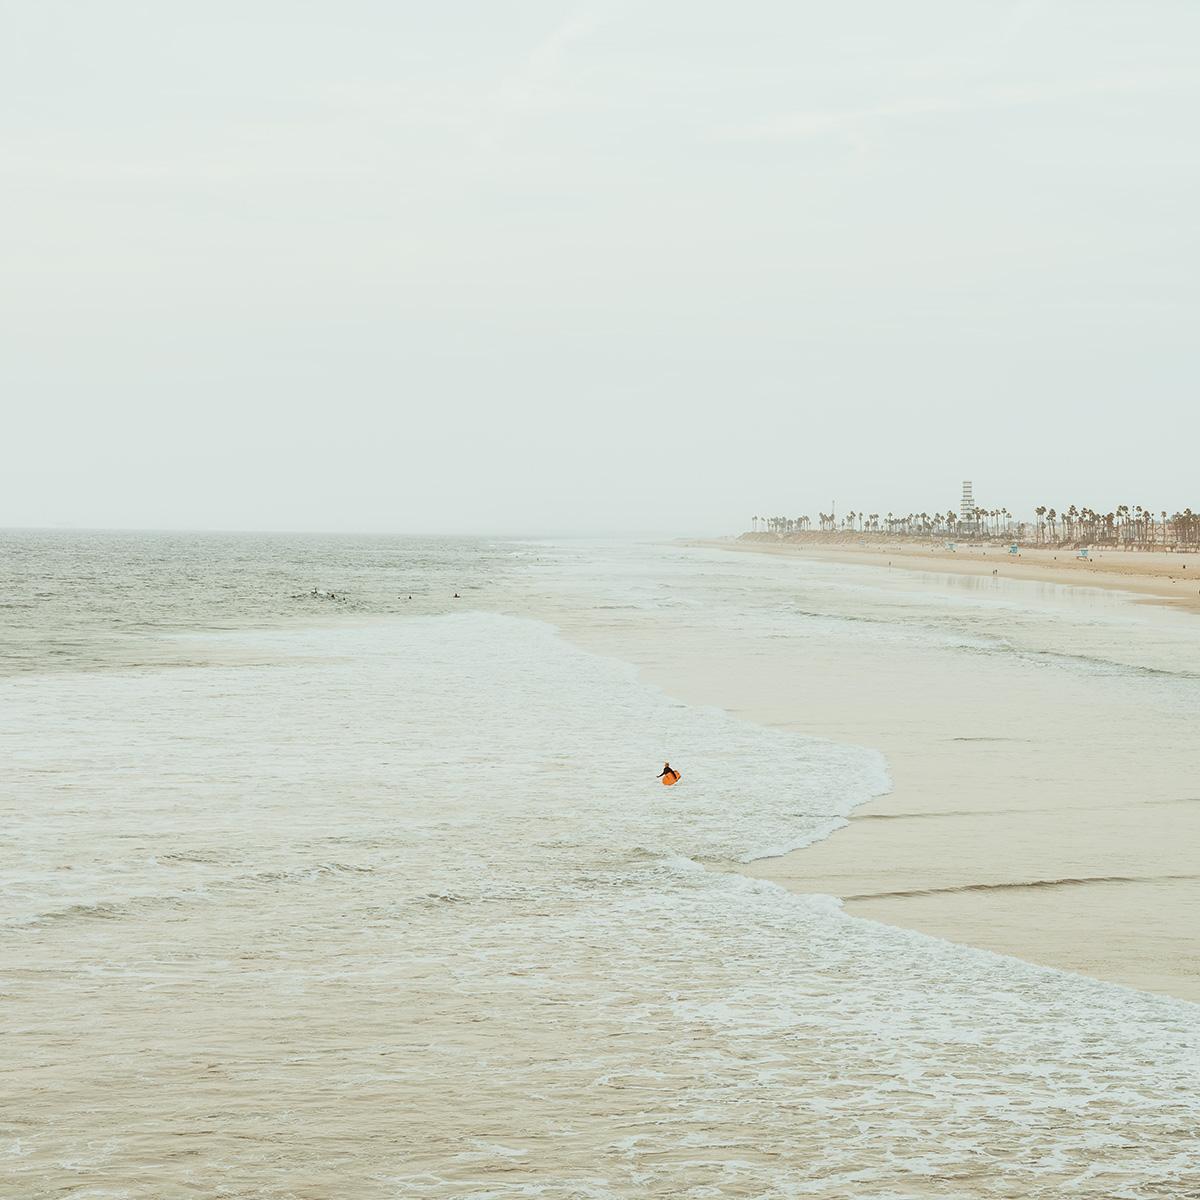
x,y
991,522
1125,525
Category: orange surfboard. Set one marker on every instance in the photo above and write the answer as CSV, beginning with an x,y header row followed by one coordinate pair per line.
x,y
671,778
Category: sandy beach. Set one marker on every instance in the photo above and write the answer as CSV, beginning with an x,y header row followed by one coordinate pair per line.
x,y
1041,835
1156,576
1045,813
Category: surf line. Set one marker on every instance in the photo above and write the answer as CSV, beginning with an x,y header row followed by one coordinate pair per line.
x,y
1018,884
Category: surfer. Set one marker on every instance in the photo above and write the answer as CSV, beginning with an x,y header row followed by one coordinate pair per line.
x,y
668,774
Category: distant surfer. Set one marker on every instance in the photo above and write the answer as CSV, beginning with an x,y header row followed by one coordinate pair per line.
x,y
668,775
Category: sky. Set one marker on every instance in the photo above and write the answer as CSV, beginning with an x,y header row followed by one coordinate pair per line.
x,y
657,266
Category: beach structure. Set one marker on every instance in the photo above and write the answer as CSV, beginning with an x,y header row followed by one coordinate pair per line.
x,y
966,506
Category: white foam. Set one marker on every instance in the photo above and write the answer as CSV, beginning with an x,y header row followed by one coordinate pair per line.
x,y
446,928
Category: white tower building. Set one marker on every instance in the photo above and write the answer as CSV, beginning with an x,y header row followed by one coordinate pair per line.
x,y
966,506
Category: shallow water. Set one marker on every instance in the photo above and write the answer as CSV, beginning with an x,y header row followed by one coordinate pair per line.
x,y
1035,736
357,903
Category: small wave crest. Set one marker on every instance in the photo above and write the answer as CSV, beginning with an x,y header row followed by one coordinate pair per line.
x,y
1020,885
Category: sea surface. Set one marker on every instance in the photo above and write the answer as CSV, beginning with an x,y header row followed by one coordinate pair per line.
x,y
322,883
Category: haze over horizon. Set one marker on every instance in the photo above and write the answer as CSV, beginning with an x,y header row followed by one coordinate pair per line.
x,y
601,267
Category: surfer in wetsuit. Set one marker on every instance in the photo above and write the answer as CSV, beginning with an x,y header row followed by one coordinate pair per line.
x,y
667,770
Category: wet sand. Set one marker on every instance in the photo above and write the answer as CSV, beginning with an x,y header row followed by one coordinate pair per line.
x,y
1045,834
1033,813
1156,576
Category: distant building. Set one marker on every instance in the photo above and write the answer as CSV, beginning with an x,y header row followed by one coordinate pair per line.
x,y
966,506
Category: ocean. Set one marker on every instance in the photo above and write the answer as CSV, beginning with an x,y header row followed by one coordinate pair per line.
x,y
321,881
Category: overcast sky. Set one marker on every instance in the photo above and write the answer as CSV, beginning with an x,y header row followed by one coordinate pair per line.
x,y
534,266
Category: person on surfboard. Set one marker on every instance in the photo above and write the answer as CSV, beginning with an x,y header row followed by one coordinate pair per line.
x,y
668,774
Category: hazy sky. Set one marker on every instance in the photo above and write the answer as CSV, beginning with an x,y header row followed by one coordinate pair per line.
x,y
533,266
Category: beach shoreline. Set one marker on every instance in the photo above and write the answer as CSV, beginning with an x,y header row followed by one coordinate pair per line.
x,y
1162,577
1073,887
1016,823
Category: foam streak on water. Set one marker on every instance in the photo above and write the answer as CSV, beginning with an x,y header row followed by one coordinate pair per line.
x,y
396,909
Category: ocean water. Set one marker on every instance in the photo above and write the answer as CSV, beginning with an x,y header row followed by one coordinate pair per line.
x,y
312,897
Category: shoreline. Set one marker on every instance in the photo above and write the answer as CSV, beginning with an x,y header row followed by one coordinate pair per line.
x,y
1018,822
1078,874
1156,577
